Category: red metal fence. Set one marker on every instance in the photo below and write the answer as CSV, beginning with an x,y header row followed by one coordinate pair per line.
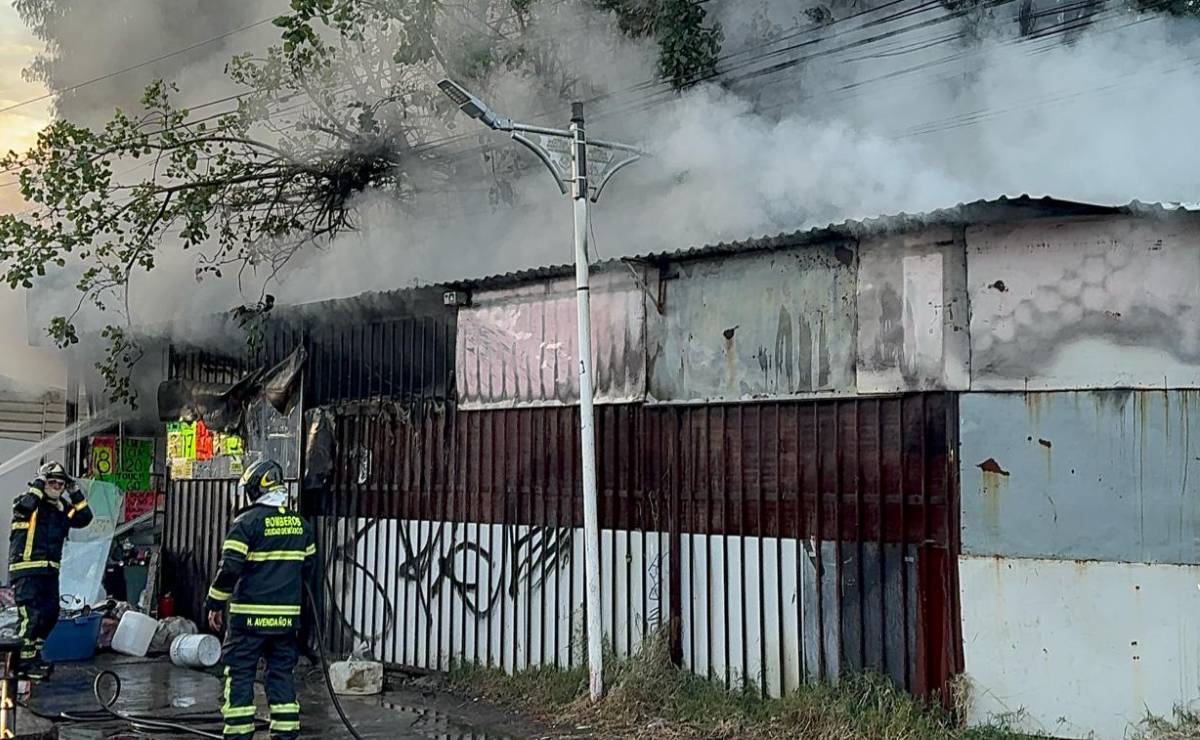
x,y
854,503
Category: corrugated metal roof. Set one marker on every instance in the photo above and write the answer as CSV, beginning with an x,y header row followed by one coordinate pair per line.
x,y
423,298
976,212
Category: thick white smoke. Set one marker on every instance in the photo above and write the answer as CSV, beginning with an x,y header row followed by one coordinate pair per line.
x,y
922,118
891,107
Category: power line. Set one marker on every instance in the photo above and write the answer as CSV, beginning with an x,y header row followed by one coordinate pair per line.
x,y
1061,28
139,65
920,8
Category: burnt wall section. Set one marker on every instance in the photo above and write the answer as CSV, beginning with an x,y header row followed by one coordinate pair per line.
x,y
1085,303
519,347
778,324
913,313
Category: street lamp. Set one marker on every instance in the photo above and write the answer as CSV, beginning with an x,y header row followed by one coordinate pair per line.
x,y
565,154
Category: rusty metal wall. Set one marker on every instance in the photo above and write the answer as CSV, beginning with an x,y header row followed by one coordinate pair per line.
x,y
520,346
779,324
829,530
823,533
1080,556
452,536
1082,475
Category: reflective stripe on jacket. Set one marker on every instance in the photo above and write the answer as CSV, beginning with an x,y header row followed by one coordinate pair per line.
x,y
40,525
269,552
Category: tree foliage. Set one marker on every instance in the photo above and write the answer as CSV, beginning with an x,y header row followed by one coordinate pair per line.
x,y
345,103
689,45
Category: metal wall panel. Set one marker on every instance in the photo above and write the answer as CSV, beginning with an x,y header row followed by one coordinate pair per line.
x,y
778,324
1088,303
1079,648
404,358
1088,475
198,516
913,313
746,621
520,346
436,516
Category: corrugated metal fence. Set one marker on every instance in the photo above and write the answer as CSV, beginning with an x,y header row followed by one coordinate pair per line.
x,y
779,542
771,543
198,514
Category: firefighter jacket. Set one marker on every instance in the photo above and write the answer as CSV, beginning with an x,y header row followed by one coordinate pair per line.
x,y
40,524
267,557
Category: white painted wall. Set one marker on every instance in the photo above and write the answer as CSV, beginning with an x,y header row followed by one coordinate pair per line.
x,y
1072,648
476,581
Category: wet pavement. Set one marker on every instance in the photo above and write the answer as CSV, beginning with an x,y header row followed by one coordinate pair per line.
x,y
157,688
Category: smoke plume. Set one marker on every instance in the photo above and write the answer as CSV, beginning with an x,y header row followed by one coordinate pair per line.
x,y
821,114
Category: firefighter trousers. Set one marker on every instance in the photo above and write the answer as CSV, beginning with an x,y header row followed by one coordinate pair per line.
x,y
240,655
37,612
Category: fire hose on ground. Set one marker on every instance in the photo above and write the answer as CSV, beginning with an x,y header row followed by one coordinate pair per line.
x,y
189,724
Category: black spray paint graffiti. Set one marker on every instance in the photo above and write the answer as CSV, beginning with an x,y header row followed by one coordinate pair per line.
x,y
445,563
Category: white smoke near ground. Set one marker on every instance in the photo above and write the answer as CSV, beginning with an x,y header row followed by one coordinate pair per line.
x,y
890,108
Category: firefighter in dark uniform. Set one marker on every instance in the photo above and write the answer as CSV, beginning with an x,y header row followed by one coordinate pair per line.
x,y
268,555
42,517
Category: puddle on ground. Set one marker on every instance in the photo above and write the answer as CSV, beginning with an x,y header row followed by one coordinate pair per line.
x,y
438,726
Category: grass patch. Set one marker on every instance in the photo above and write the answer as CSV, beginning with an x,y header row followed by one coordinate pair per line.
x,y
1184,725
648,696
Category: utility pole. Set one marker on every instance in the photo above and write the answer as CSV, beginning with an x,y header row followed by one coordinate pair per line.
x,y
565,154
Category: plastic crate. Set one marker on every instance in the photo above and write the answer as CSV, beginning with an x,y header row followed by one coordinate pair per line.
x,y
73,639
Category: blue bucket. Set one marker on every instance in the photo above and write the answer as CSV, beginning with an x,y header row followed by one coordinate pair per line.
x,y
73,639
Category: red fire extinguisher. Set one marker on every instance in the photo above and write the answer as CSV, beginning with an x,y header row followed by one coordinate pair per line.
x,y
166,606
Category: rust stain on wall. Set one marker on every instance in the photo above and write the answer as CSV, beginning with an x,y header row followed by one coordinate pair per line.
x,y
992,486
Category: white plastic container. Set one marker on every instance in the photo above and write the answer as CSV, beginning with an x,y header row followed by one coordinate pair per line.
x,y
195,651
134,633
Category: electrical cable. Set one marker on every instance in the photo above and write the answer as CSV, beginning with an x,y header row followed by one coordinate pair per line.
x,y
139,65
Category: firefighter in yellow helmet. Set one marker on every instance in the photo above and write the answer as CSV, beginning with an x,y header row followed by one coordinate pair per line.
x,y
41,519
269,553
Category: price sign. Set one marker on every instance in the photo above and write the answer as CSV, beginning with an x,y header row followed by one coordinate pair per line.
x,y
204,442
104,457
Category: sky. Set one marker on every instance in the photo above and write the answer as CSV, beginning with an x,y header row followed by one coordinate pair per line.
x,y
19,364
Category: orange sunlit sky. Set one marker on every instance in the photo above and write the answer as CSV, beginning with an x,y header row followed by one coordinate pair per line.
x,y
19,127
34,369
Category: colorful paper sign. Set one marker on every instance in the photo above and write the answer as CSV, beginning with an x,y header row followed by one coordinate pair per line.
x,y
126,463
138,503
194,449
135,463
188,433
104,458
204,442
174,441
